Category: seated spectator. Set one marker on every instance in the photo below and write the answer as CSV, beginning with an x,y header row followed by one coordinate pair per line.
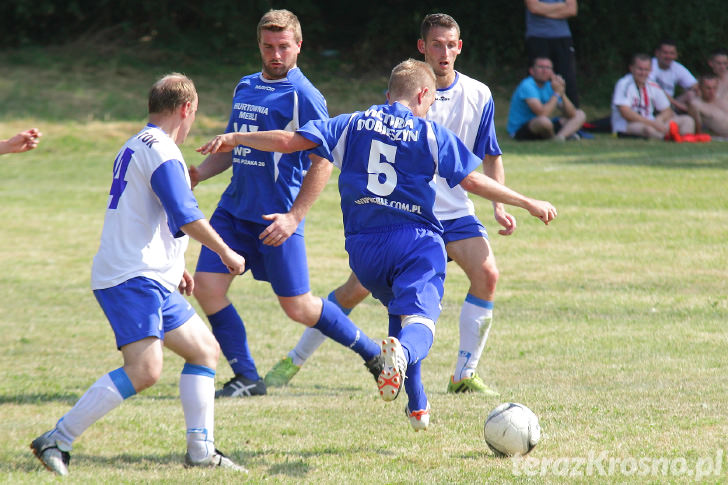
x,y
708,111
635,101
718,62
536,99
669,73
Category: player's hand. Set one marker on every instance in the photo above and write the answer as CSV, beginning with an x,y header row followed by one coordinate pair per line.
x,y
187,285
23,141
235,263
543,210
194,176
279,230
221,143
506,220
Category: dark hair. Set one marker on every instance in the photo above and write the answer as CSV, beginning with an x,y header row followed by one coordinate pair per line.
x,y
666,41
640,56
437,20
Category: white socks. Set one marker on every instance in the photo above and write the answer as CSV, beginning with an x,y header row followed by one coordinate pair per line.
x,y
306,345
476,317
102,397
197,393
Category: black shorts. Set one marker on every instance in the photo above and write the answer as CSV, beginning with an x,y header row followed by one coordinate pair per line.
x,y
524,133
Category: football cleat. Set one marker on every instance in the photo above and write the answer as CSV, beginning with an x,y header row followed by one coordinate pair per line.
x,y
375,366
281,373
217,459
391,378
239,386
53,458
420,419
470,384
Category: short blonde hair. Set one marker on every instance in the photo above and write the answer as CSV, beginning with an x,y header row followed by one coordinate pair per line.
x,y
170,92
409,76
280,20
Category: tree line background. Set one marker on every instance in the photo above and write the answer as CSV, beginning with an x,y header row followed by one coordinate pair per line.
x,y
366,37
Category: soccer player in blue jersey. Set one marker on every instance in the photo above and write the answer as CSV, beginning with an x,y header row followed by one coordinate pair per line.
x,y
464,106
135,274
388,158
260,214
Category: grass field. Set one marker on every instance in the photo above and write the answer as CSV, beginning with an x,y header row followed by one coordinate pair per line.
x,y
610,324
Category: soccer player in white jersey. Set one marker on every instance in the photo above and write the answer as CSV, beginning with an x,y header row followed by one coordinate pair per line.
x,y
135,274
388,158
260,214
465,106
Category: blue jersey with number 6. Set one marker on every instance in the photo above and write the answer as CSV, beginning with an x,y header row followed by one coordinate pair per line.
x,y
388,158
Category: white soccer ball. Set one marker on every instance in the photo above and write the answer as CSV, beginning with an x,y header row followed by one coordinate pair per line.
x,y
512,429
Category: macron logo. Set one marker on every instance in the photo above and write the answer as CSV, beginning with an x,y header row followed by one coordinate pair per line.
x,y
267,88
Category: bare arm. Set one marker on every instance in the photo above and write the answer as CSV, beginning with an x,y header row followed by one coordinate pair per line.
x,y
284,225
22,142
694,112
542,109
214,164
493,168
558,10
268,141
479,184
202,231
630,115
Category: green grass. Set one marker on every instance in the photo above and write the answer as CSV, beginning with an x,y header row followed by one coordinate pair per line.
x,y
610,323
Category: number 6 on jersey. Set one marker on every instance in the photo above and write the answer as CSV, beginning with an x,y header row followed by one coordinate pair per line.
x,y
376,168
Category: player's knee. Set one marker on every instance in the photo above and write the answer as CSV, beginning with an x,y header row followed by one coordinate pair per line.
x,y
144,375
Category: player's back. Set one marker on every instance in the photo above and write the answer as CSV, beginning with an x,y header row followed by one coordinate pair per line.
x,y
136,239
388,158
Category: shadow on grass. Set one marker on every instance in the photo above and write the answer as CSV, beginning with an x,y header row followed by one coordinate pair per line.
x,y
67,397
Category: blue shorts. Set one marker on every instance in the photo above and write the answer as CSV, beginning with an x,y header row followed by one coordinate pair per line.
x,y
403,267
141,307
463,228
285,267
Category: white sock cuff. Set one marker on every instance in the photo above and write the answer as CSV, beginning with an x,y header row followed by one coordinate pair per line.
x,y
410,319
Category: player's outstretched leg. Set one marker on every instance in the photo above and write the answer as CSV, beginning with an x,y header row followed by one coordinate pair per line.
x,y
102,397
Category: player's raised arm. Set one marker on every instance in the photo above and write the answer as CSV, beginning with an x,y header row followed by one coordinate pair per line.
x,y
268,141
484,186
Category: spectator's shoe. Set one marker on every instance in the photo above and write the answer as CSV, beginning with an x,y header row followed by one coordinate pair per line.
x,y
420,420
239,386
673,133
46,450
281,373
215,460
470,384
696,138
391,379
375,366
585,135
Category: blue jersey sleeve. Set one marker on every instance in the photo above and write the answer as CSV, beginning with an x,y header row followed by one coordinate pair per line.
x,y
311,106
169,183
328,134
454,160
486,142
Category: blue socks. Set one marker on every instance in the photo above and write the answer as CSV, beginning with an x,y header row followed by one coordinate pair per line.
x,y
229,330
337,326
